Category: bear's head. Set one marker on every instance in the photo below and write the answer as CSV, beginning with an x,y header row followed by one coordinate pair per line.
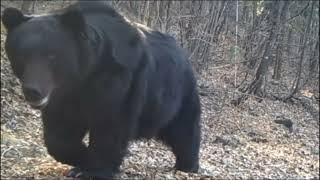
x,y
44,52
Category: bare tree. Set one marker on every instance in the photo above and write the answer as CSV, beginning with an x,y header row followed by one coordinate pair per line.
x,y
303,41
256,86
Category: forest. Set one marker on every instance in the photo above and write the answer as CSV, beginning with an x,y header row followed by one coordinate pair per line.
x,y
257,67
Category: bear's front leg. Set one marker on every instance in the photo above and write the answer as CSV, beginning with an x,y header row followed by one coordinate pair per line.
x,y
113,122
65,145
107,147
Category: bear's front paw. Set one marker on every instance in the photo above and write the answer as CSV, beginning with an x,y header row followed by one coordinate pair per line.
x,y
74,172
90,174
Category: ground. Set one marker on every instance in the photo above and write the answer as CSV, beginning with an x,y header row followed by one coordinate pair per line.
x,y
247,141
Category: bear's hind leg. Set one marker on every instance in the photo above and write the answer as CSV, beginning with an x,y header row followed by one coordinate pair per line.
x,y
183,136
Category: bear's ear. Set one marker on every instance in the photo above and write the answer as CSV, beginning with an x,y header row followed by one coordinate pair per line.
x,y
73,20
13,17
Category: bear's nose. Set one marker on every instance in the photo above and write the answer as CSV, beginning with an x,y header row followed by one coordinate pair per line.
x,y
32,94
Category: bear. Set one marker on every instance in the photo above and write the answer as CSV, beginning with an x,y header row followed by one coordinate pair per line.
x,y
89,69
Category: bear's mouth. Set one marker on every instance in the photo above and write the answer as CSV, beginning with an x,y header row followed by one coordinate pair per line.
x,y
39,104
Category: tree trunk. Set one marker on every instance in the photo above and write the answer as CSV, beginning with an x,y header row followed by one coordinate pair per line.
x,y
167,20
289,40
279,48
181,32
251,51
314,60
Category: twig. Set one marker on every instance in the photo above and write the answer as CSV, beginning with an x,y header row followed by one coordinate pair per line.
x,y
302,10
202,41
7,150
230,64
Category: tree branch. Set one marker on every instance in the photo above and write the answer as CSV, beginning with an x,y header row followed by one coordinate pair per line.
x,y
298,14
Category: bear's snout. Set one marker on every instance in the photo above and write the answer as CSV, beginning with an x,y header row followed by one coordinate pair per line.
x,y
35,97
